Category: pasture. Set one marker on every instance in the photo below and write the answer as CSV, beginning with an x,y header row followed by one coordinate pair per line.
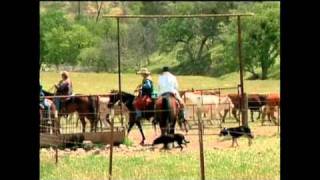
x,y
261,161
99,83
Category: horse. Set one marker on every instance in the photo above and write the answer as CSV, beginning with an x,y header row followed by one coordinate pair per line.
x,y
127,100
48,118
85,106
166,113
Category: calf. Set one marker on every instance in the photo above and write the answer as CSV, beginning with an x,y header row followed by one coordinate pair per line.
x,y
272,102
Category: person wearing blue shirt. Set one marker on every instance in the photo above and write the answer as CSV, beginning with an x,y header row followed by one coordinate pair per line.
x,y
145,89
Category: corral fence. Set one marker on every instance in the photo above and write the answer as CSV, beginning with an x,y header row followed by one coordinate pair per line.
x,y
72,129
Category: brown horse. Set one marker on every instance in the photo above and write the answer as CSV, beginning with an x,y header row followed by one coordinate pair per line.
x,y
48,118
166,113
85,106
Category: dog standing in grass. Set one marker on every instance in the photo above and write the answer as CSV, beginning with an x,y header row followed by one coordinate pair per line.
x,y
237,132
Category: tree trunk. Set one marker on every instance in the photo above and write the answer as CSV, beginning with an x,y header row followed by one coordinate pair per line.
x,y
148,60
78,10
264,72
201,47
57,67
98,10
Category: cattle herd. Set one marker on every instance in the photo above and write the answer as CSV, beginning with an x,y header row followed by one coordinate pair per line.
x,y
218,105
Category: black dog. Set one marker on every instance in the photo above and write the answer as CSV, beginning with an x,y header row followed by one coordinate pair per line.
x,y
74,142
166,139
236,133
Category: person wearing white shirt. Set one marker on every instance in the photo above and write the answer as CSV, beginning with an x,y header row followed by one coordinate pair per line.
x,y
168,83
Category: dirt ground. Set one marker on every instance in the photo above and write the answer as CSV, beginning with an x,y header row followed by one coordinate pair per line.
x,y
211,139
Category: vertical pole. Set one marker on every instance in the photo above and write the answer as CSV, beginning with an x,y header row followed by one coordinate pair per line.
x,y
78,10
119,69
245,110
111,145
200,129
279,119
56,154
244,118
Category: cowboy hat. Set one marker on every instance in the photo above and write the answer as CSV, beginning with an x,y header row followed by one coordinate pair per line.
x,y
65,73
143,71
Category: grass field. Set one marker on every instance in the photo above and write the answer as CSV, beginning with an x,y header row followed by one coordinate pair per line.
x,y
261,161
97,83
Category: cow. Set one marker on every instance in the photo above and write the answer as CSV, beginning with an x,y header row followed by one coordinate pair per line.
x,y
209,103
272,104
255,104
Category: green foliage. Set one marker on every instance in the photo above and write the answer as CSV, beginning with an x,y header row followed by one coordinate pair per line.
x,y
202,46
261,37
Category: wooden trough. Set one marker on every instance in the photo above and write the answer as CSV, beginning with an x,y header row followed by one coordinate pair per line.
x,y
94,137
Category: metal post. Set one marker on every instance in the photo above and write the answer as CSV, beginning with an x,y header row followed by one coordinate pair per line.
x,y
245,110
111,146
56,154
200,129
279,119
244,117
119,69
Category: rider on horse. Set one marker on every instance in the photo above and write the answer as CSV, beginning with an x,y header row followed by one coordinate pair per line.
x,y
65,84
43,102
64,87
144,99
168,83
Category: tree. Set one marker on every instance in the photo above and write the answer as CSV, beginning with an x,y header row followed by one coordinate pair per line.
x,y
57,46
193,36
261,37
49,19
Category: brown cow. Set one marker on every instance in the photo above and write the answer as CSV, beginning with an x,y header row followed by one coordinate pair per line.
x,y
272,103
255,102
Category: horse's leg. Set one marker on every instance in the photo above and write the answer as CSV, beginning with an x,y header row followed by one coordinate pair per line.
x,y
83,122
131,123
263,116
234,113
251,115
225,114
57,125
100,124
141,131
259,111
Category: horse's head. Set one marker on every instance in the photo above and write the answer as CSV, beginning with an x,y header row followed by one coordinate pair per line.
x,y
127,98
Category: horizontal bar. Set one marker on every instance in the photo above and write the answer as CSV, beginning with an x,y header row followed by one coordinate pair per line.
x,y
66,96
178,16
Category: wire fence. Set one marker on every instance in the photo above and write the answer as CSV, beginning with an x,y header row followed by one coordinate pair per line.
x,y
202,117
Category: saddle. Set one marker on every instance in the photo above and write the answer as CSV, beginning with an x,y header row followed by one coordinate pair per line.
x,y
142,102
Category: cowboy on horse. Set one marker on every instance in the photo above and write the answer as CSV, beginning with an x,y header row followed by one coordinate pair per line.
x,y
168,84
144,100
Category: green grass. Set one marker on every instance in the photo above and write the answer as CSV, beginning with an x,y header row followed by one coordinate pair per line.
x,y
261,161
127,142
258,162
100,83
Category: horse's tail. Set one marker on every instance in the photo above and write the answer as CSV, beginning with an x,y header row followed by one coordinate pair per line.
x,y
166,112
